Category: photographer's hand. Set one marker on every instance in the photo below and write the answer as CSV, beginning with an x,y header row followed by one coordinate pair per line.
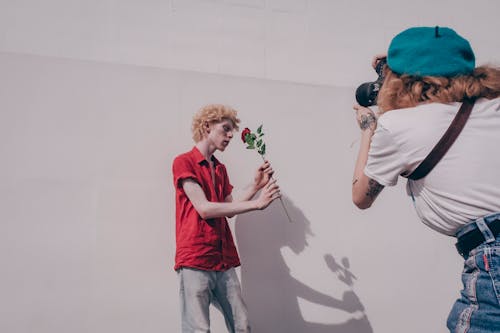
x,y
366,118
377,58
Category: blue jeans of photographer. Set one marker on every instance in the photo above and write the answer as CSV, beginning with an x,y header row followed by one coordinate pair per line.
x,y
199,289
478,308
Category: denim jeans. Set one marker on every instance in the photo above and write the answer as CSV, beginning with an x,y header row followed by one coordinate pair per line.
x,y
478,308
199,289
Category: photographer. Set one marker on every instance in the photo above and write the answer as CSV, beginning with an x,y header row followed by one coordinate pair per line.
x,y
430,71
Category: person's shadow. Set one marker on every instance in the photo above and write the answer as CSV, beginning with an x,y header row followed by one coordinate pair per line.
x,y
271,292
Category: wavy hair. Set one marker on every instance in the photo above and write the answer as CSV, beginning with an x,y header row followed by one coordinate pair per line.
x,y
212,113
403,91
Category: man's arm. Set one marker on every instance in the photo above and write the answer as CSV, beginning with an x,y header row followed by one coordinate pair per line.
x,y
208,209
364,189
262,176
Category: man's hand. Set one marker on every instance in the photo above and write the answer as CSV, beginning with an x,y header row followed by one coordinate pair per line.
x,y
262,175
269,193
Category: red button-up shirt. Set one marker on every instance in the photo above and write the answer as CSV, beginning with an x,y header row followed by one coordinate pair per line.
x,y
202,244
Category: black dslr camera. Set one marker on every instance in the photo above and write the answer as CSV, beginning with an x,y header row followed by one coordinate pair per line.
x,y
366,94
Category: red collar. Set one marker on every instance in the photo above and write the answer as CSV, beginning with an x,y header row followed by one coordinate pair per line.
x,y
199,158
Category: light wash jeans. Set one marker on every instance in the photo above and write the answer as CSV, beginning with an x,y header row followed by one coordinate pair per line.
x,y
478,308
199,289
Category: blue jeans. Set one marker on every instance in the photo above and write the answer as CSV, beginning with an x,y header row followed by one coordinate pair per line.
x,y
199,289
478,308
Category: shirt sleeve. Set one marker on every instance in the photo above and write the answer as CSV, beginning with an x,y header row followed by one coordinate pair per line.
x,y
385,162
183,169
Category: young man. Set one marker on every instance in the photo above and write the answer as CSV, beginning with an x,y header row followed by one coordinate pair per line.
x,y
206,256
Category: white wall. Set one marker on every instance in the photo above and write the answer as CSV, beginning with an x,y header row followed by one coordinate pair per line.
x,y
88,133
310,41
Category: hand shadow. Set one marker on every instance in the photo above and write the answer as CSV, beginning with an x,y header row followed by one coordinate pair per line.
x,y
270,291
343,271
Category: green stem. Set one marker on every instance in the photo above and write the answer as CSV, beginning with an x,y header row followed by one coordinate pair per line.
x,y
281,199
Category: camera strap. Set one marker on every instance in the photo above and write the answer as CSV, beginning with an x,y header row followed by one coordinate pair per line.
x,y
445,142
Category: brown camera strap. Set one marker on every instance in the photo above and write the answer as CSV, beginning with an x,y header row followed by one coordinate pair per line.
x,y
445,142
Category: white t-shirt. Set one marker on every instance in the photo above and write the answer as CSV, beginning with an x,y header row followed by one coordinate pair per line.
x,y
465,184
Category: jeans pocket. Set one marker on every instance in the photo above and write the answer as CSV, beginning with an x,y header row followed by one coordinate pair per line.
x,y
470,275
491,261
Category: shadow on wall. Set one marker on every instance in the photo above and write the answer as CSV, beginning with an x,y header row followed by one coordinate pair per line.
x,y
271,292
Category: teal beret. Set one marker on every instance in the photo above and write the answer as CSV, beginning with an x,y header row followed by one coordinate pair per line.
x,y
430,51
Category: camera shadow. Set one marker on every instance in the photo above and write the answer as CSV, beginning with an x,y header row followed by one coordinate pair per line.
x,y
271,292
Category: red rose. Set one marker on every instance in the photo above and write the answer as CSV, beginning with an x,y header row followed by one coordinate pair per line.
x,y
244,134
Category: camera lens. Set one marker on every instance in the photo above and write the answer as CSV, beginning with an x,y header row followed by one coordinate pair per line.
x,y
366,94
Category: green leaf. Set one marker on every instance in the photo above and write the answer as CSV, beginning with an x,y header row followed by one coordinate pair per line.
x,y
259,130
261,135
247,137
259,143
262,149
250,147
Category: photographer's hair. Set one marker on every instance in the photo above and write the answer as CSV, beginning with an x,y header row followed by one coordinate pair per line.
x,y
403,91
210,114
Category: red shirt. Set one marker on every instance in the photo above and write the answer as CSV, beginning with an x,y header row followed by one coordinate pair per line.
x,y
202,244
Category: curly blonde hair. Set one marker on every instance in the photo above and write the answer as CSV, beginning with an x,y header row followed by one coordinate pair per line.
x,y
212,113
403,91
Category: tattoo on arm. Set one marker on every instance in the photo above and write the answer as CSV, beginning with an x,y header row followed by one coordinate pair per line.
x,y
367,120
374,189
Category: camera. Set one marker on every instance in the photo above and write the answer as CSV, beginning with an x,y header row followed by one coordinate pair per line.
x,y
366,94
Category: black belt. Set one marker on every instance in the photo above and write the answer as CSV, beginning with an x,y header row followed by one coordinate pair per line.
x,y
474,238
